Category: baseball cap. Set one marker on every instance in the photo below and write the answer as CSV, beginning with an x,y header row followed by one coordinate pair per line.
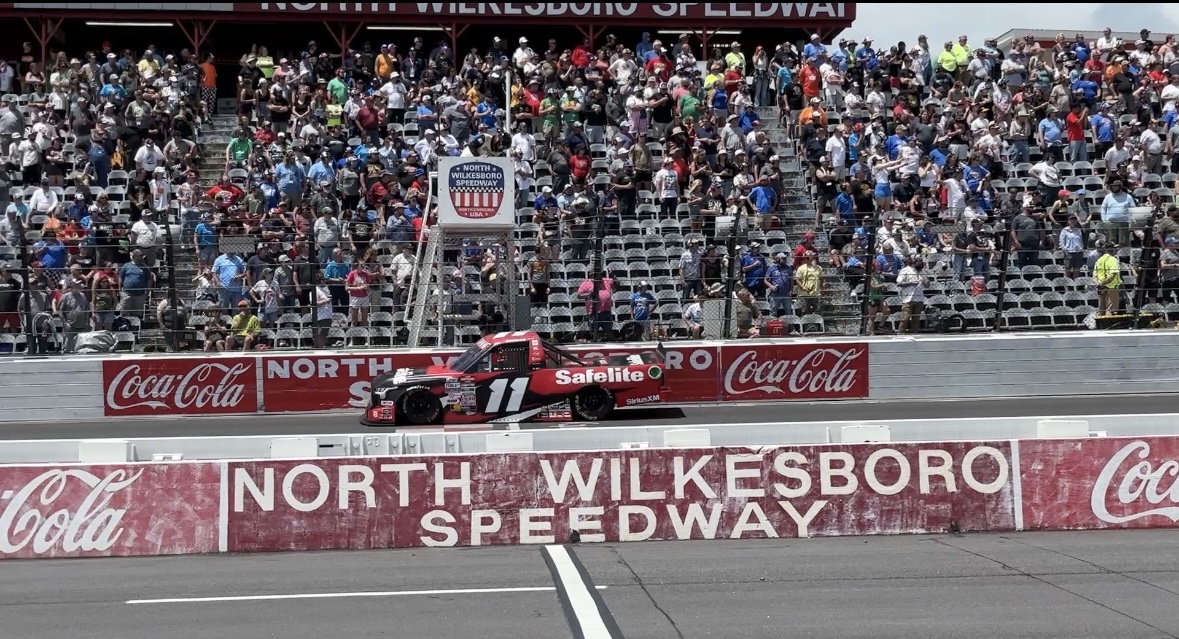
x,y
243,304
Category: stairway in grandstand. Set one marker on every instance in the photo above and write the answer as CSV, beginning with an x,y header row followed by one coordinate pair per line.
x,y
215,135
840,310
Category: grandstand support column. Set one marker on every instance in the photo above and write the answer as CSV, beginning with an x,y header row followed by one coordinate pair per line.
x,y
705,35
867,323
736,238
45,29
590,32
1003,235
197,33
455,31
27,298
346,34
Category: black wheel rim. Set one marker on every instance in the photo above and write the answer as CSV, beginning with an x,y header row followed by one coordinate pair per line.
x,y
593,401
419,404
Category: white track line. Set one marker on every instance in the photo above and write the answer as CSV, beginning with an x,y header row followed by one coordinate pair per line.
x,y
345,595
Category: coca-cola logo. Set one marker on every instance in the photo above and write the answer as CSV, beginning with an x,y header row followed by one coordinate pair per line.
x,y
30,518
208,385
1142,484
821,371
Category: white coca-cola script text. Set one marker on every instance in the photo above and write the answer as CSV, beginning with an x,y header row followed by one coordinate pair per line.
x,y
208,385
89,525
1141,484
821,372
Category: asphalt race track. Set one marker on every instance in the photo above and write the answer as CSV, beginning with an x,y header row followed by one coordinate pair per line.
x,y
346,422
1045,585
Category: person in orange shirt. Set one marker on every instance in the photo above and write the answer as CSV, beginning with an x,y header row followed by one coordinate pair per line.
x,y
811,79
814,107
209,84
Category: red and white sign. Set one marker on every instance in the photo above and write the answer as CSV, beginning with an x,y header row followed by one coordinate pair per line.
x,y
695,374
609,496
793,372
195,386
103,511
622,12
1100,483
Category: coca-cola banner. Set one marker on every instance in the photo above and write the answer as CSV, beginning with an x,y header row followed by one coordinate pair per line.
x,y
103,511
785,372
189,386
1100,483
695,374
609,496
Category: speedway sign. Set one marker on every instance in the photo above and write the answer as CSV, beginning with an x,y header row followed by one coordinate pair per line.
x,y
476,193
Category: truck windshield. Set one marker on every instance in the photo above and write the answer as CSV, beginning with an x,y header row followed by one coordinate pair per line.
x,y
470,357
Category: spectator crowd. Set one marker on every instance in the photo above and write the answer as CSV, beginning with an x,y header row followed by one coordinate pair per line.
x,y
1027,186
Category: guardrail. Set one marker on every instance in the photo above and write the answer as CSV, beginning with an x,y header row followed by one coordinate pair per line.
x,y
378,444
602,496
895,368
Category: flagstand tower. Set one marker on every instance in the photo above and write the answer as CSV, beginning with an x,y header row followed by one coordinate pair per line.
x,y
449,293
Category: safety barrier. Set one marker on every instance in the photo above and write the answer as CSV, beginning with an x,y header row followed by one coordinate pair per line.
x,y
994,365
382,443
603,496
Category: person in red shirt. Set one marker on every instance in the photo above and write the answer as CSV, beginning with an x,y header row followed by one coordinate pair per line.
x,y
368,118
72,236
265,134
579,165
803,249
733,80
581,54
1074,126
225,194
811,79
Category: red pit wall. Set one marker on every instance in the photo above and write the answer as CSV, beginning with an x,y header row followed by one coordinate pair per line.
x,y
1100,483
105,511
622,496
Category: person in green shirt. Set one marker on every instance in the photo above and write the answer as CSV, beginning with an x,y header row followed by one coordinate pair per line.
x,y
570,106
690,104
550,114
238,151
337,88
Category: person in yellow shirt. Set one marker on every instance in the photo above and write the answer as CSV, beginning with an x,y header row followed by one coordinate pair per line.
x,y
947,61
385,64
244,328
808,284
1107,273
962,56
715,76
734,59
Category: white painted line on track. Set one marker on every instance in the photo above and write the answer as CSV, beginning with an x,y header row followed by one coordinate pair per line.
x,y
586,612
346,595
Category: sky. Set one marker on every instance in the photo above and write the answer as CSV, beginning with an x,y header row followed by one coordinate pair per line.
x,y
888,23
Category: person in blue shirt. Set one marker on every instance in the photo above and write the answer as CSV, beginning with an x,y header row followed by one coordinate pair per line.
x,y
753,269
1088,90
230,271
322,171
206,240
644,47
1051,134
866,55
78,208
839,56
845,204
763,199
779,285
720,97
748,118
888,264
642,306
135,282
335,272
50,252
896,142
18,207
485,112
1105,129
290,179
114,91
974,175
545,199
940,152
814,48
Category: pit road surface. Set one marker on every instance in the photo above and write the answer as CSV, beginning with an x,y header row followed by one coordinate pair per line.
x,y
1045,585
346,422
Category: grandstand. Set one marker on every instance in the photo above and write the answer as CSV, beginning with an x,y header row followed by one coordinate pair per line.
x,y
916,196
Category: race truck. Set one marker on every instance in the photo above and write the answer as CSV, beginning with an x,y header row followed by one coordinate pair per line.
x,y
516,377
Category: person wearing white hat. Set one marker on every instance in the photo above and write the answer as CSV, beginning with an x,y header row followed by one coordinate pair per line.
x,y
523,54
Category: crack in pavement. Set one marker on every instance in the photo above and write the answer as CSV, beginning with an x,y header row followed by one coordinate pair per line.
x,y
1040,579
643,586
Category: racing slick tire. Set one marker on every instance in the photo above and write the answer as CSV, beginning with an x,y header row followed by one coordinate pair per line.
x,y
420,407
592,404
